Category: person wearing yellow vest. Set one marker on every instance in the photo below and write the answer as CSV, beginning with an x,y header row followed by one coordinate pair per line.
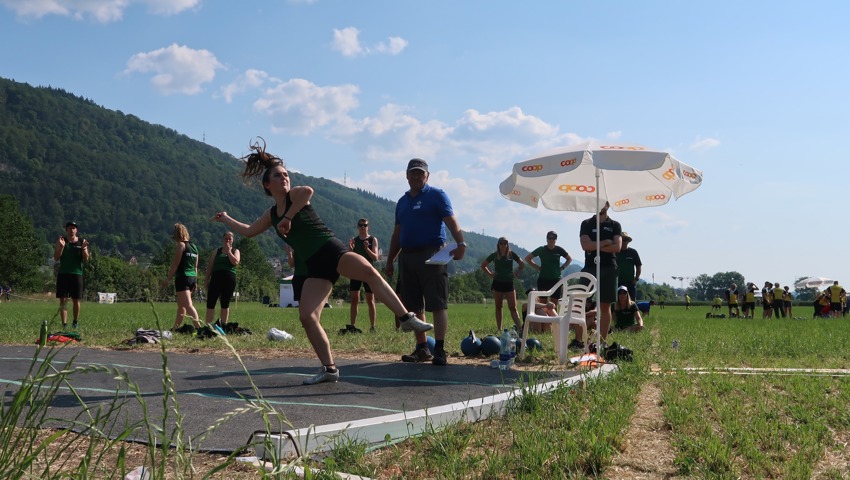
x,y
732,301
837,296
778,301
788,300
750,301
766,295
717,305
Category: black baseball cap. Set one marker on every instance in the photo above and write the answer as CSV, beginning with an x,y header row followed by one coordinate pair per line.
x,y
71,224
417,164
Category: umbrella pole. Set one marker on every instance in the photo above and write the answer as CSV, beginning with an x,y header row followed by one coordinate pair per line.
x,y
598,270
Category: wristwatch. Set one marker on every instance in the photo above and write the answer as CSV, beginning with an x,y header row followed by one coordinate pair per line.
x,y
462,244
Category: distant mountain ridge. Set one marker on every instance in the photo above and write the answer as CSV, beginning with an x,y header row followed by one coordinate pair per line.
x,y
127,181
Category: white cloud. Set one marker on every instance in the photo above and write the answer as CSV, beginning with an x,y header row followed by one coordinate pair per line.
x,y
614,135
394,47
249,80
703,144
299,107
177,68
347,42
103,11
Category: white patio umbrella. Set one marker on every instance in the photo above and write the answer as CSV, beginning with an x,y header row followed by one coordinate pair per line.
x,y
581,178
814,282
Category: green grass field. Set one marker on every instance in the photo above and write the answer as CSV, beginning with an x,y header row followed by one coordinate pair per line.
x,y
762,424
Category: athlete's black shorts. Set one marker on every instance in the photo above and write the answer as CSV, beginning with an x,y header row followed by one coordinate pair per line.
x,y
69,285
222,285
354,286
544,284
323,264
182,283
502,286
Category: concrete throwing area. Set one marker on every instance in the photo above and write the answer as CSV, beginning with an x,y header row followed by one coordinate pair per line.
x,y
373,401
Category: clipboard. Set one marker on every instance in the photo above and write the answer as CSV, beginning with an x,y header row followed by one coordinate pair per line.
x,y
442,257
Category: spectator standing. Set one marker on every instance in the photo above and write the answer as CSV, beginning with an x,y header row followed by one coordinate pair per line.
x,y
550,266
609,242
778,301
220,278
789,299
365,245
418,234
503,275
628,266
837,296
71,252
717,304
766,300
732,301
184,270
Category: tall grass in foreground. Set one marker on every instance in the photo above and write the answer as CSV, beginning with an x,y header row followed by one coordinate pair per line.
x,y
94,445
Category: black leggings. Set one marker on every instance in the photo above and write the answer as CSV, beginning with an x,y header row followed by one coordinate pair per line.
x,y
222,285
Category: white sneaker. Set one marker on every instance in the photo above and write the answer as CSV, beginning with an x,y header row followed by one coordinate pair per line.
x,y
323,376
411,323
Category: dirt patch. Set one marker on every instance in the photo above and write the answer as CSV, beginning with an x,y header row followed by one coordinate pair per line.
x,y
647,453
836,460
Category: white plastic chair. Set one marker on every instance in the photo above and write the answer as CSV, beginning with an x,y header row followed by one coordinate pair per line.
x,y
570,307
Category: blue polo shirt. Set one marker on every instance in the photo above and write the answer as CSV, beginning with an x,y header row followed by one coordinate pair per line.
x,y
421,218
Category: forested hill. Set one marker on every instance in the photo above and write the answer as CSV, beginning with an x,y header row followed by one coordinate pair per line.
x,y
126,181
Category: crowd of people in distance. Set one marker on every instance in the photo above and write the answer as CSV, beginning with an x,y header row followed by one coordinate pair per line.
x,y
777,301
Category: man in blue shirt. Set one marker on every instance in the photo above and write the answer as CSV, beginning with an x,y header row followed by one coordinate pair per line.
x,y
418,235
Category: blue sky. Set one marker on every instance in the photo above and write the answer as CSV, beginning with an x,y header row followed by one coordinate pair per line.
x,y
755,94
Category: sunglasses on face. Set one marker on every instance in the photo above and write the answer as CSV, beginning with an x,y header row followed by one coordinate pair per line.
x,y
362,225
503,243
551,238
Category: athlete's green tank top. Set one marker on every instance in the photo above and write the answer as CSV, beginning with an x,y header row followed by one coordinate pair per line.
x,y
188,261
307,233
362,245
71,260
222,262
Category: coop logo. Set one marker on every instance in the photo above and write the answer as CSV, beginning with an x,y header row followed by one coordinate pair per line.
x,y
653,198
669,175
567,163
577,188
690,174
532,168
620,203
620,147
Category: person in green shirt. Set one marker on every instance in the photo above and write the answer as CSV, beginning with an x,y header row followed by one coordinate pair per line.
x,y
70,252
365,245
184,271
320,258
626,313
550,267
220,278
503,275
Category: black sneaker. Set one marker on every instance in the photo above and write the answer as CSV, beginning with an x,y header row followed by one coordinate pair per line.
x,y
418,355
439,357
576,345
353,329
74,325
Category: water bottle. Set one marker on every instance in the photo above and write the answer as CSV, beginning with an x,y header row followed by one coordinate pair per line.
x,y
505,352
514,340
42,334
